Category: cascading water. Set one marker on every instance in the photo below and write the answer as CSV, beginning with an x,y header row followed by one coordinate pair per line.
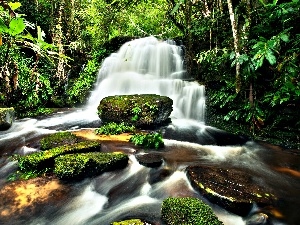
x,y
147,66
150,66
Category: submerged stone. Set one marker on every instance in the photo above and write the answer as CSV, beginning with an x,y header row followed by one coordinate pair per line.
x,y
138,110
232,189
22,199
78,166
7,117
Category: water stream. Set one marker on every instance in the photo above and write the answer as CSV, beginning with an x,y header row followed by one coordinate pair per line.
x,y
144,66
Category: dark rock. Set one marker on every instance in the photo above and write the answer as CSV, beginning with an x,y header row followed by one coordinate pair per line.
x,y
230,188
7,117
138,110
149,159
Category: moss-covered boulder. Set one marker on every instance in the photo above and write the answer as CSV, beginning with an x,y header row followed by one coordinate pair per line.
x,y
186,211
7,117
129,222
45,159
137,110
57,139
230,188
78,166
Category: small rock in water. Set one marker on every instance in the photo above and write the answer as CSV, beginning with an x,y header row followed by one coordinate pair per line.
x,y
258,219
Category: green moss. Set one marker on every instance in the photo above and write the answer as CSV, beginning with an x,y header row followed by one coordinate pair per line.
x,y
129,222
45,159
138,110
188,211
77,166
57,139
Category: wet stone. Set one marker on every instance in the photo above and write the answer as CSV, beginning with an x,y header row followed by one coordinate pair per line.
x,y
149,159
230,188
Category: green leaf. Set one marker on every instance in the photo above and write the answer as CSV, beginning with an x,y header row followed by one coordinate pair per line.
x,y
270,57
284,37
16,26
14,5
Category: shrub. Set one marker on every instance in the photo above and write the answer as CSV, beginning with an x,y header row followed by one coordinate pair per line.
x,y
188,211
114,128
77,166
149,140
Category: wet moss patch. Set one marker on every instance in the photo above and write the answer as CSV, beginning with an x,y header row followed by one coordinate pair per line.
x,y
186,211
129,222
58,139
45,159
78,166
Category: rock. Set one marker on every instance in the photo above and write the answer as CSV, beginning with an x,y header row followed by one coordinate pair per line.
x,y
79,166
138,110
149,159
58,139
232,189
7,117
22,199
45,159
187,210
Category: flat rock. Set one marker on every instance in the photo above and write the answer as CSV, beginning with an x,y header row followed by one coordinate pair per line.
x,y
230,188
149,159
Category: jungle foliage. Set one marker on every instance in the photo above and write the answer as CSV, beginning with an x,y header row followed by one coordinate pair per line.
x,y
245,52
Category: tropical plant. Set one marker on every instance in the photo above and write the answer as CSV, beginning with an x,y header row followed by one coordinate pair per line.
x,y
148,140
113,128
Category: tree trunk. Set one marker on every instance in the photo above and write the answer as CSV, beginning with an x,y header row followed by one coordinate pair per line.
x,y
238,82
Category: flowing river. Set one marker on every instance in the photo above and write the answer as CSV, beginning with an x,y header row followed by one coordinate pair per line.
x,y
147,66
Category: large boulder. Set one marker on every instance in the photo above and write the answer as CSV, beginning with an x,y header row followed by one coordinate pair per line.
x,y
7,116
138,110
230,188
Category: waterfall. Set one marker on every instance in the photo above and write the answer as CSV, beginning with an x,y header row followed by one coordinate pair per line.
x,y
150,66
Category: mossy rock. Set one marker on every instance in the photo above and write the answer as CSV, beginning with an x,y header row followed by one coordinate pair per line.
x,y
187,211
7,117
129,222
45,159
230,188
58,139
78,166
138,110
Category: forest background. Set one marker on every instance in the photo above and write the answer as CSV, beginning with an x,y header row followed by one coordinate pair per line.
x,y
245,52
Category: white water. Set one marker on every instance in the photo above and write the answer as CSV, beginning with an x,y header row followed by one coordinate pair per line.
x,y
140,67
150,66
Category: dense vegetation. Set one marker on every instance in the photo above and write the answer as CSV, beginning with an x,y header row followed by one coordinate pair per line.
x,y
245,52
